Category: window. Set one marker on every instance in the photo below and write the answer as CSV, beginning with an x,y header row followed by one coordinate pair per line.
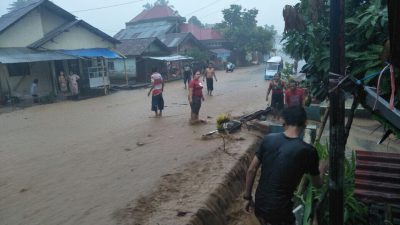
x,y
18,69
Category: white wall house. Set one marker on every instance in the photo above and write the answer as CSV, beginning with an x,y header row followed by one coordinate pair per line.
x,y
40,40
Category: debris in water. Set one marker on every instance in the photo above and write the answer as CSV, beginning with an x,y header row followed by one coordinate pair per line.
x,y
181,213
140,143
23,190
128,149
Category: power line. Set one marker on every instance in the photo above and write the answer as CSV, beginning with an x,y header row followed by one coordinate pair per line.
x,y
109,6
206,6
219,10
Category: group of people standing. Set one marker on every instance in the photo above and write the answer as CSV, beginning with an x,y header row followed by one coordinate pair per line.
x,y
63,83
284,95
71,81
191,81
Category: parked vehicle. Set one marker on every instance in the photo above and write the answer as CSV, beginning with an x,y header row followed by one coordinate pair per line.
x,y
230,67
274,65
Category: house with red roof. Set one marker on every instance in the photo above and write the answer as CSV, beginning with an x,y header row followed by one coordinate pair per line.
x,y
211,38
162,22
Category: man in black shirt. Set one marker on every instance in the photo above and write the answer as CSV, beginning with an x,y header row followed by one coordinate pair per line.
x,y
284,158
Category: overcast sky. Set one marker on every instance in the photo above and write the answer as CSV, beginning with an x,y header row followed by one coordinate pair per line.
x,y
113,18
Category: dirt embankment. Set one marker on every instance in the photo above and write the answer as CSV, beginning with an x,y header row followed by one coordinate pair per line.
x,y
202,193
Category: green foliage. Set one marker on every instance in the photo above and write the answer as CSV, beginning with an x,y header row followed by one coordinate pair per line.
x,y
198,55
240,27
195,21
365,37
366,32
222,118
156,3
355,212
287,71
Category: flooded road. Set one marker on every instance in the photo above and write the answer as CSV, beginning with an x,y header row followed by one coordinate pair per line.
x,y
78,162
106,161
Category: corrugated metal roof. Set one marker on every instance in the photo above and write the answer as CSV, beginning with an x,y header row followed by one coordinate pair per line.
x,y
93,52
135,47
23,55
377,177
145,30
174,39
12,17
172,58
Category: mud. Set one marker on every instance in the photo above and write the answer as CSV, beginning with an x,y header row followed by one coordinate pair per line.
x,y
200,194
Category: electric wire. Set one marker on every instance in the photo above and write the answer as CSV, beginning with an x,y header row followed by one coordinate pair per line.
x,y
106,7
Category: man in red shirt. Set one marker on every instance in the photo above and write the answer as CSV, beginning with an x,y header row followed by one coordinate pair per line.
x,y
294,96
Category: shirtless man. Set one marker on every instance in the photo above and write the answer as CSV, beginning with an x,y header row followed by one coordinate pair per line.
x,y
209,73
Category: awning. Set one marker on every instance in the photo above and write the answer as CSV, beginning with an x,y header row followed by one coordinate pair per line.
x,y
25,55
171,58
93,52
221,51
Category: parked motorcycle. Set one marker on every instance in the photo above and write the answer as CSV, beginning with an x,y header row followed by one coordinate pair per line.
x,y
230,67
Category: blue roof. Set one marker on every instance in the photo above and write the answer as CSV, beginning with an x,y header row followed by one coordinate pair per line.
x,y
93,52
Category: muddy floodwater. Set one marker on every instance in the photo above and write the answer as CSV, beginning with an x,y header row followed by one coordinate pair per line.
x,y
107,161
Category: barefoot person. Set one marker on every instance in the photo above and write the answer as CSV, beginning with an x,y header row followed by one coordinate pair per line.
x,y
157,88
187,74
209,74
195,97
73,85
277,87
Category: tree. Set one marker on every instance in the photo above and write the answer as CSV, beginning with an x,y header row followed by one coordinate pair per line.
x,y
240,28
17,4
156,3
195,21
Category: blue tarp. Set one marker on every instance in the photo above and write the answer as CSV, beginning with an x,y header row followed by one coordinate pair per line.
x,y
93,52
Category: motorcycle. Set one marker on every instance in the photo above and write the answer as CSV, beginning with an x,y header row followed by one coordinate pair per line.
x,y
230,67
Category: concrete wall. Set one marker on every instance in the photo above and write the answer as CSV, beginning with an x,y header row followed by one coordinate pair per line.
x,y
20,85
50,21
119,69
78,38
24,32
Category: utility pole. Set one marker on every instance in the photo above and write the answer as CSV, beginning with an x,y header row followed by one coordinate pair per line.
x,y
337,113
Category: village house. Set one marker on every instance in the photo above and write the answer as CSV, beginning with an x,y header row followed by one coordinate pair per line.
x,y
40,40
134,68
164,23
213,40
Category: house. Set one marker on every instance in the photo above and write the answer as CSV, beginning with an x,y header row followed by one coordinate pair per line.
x,y
57,41
136,66
213,40
163,23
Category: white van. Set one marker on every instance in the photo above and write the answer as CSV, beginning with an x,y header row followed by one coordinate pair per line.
x,y
274,65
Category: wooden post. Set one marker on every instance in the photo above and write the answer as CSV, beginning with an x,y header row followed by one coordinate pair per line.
x,y
336,114
126,73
